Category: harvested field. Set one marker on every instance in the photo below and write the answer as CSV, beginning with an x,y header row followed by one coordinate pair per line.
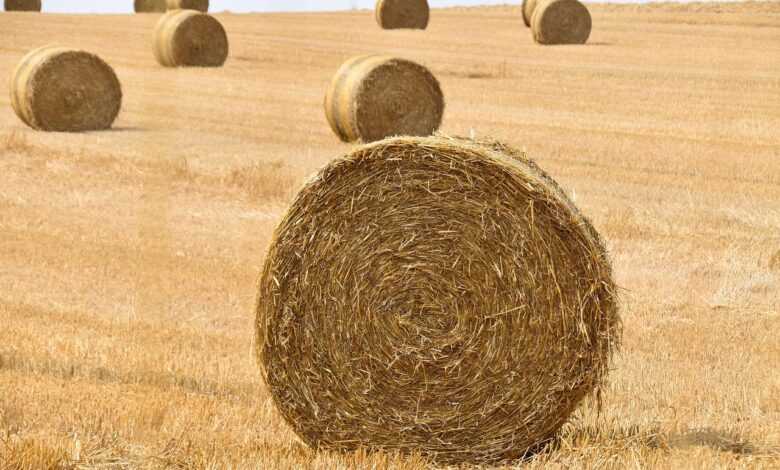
x,y
129,258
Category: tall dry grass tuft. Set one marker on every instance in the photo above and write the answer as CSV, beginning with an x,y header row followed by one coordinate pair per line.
x,y
274,181
774,261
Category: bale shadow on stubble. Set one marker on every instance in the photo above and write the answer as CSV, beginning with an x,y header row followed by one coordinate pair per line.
x,y
653,438
722,441
125,129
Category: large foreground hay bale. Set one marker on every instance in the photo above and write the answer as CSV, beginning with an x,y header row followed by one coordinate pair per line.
x,y
434,295
375,96
190,38
528,10
561,22
398,14
61,89
199,5
150,6
22,5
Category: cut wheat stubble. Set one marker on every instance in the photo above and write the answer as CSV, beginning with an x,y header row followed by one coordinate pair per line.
x,y
434,295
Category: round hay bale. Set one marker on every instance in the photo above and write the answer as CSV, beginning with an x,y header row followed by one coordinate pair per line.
x,y
376,96
402,14
150,6
22,5
561,22
434,295
528,11
199,5
66,90
190,38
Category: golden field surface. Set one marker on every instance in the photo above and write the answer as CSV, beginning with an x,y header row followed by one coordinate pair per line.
x,y
129,258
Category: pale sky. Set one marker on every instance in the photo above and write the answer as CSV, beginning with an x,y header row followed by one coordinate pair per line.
x,y
126,6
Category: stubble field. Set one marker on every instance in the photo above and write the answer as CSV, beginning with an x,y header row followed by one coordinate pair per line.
x,y
128,258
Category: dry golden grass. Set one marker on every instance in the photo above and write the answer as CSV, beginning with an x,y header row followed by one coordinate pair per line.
x,y
129,258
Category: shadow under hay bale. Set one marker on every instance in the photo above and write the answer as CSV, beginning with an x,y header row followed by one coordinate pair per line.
x,y
373,97
150,6
61,89
561,22
188,38
402,14
199,5
22,5
434,295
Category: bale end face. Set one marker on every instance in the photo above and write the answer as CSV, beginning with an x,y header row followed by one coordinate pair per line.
x,y
434,295
65,90
402,14
374,97
22,5
198,5
561,22
188,38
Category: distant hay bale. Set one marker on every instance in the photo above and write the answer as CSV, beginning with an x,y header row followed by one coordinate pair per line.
x,y
399,14
150,6
561,22
528,11
434,295
199,5
189,38
375,96
22,5
66,90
